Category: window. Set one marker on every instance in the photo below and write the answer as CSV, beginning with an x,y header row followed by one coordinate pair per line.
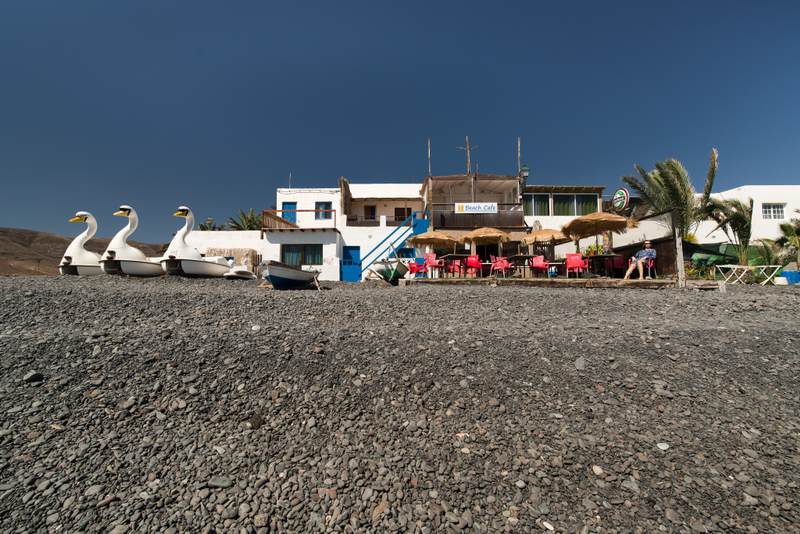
x,y
369,213
538,205
564,204
297,255
401,214
541,205
585,204
319,214
772,211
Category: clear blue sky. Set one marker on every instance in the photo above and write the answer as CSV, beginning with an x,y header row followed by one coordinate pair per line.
x,y
212,104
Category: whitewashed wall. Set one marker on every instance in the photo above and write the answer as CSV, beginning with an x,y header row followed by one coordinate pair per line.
x,y
761,228
383,207
203,240
331,249
653,228
270,247
306,199
367,237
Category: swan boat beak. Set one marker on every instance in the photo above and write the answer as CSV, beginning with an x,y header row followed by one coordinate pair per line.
x,y
77,218
122,213
181,213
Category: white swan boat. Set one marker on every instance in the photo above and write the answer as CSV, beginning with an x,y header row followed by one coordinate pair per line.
x,y
122,258
77,260
185,260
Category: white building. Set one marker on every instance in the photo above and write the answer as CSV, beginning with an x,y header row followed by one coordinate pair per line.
x,y
338,231
341,231
772,206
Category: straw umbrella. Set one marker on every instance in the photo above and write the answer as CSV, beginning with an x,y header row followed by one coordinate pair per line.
x,y
434,239
545,235
596,223
486,235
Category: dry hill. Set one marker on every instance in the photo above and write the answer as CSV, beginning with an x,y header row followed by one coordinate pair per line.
x,y
25,252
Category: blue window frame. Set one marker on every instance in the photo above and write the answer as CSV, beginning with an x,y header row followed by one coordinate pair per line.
x,y
323,215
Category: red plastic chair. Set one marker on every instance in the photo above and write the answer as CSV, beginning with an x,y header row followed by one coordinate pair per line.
x,y
650,265
537,264
433,264
576,264
474,266
417,268
500,264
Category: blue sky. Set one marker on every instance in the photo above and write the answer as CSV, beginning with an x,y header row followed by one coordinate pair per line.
x,y
212,104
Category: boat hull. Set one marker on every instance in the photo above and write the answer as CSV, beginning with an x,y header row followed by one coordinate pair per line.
x,y
132,268
391,270
194,268
80,270
239,274
286,277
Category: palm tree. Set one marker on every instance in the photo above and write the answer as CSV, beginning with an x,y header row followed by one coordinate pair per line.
x,y
247,220
668,188
768,252
210,224
791,236
734,217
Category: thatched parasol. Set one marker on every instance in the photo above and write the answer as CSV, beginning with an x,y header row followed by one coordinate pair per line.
x,y
434,239
545,235
486,235
597,223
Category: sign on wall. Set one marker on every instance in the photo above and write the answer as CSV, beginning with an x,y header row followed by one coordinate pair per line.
x,y
476,207
620,199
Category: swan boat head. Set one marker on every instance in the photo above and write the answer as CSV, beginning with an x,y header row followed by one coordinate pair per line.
x,y
178,248
76,254
118,248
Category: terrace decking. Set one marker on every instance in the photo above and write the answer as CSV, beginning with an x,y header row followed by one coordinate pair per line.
x,y
602,283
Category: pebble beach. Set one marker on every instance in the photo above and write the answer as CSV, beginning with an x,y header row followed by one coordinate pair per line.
x,y
176,405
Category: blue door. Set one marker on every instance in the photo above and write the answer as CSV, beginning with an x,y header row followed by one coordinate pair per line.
x,y
290,216
351,264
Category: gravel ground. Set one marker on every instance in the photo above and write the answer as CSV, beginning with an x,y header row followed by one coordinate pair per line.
x,y
178,405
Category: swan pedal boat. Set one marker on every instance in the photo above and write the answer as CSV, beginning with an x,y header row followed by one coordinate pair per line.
x,y
122,258
216,266
77,260
185,260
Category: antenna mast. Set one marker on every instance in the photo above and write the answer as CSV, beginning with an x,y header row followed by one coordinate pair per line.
x,y
468,150
429,156
519,155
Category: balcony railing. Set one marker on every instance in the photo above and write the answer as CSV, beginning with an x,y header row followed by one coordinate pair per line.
x,y
358,220
271,219
508,215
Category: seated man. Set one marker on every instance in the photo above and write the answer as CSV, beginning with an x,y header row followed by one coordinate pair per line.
x,y
647,253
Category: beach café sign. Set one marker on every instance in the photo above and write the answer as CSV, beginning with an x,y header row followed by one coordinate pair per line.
x,y
476,207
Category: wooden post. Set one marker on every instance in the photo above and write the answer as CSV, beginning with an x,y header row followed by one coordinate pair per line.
x,y
676,234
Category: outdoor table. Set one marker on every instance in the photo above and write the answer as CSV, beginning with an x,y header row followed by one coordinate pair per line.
x,y
454,256
521,260
599,262
734,274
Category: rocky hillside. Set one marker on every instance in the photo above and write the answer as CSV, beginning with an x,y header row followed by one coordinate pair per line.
x,y
26,252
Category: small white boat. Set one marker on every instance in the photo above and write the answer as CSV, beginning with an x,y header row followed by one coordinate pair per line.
x,y
239,272
122,258
182,259
283,276
390,269
77,260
